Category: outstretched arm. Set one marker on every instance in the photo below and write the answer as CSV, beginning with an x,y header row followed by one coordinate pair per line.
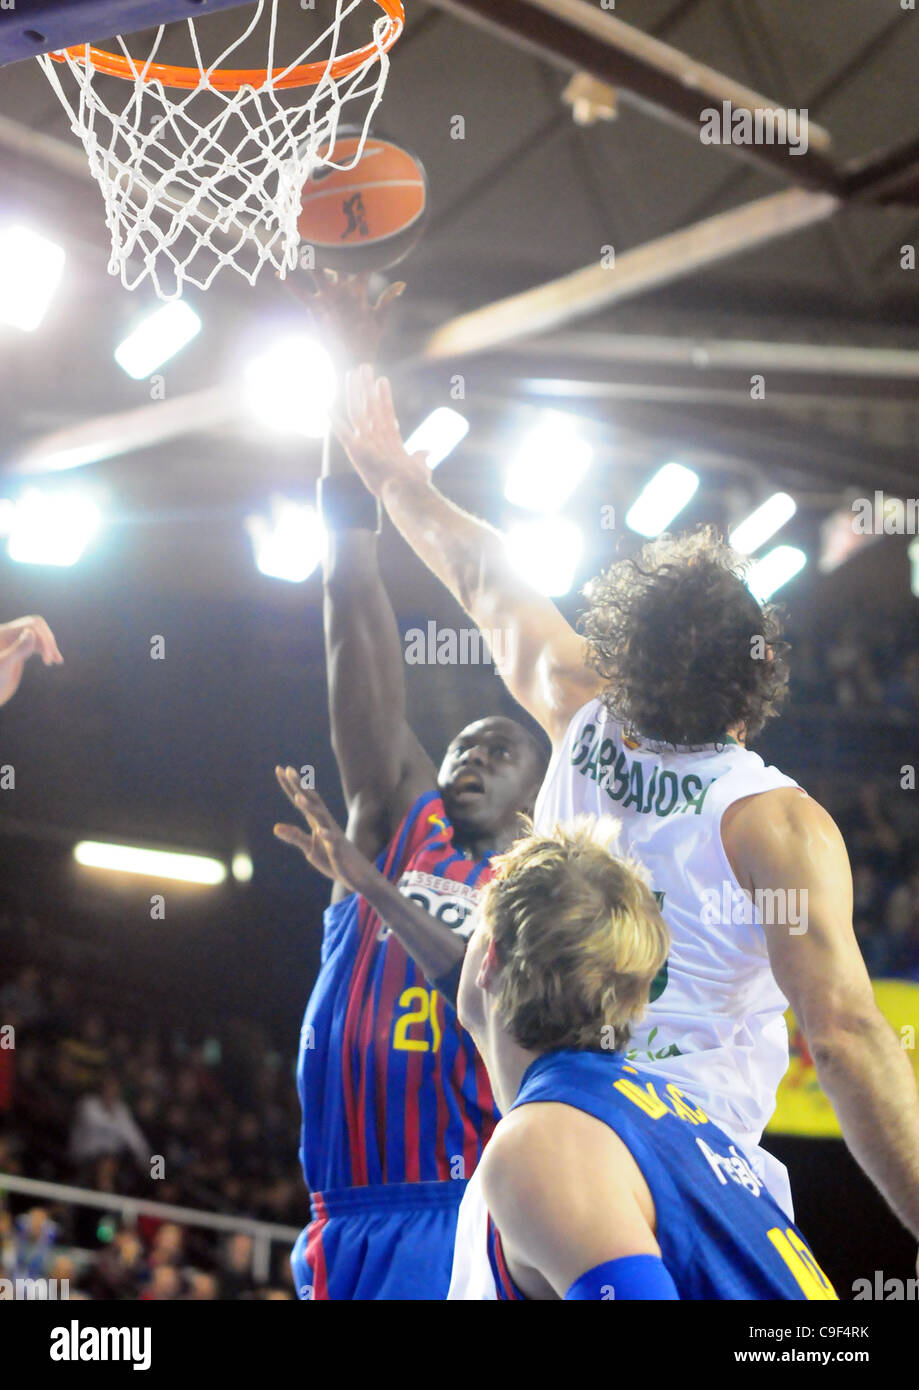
x,y
785,841
544,664
435,948
383,767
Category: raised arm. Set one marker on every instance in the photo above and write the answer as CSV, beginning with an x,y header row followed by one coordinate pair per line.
x,y
382,765
543,660
785,841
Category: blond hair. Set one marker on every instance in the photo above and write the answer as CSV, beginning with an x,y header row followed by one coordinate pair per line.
x,y
578,937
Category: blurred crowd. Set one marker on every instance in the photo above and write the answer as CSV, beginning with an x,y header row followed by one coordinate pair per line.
x,y
866,661
90,1100
882,837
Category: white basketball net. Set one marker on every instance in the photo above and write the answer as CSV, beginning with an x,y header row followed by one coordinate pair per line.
x,y
196,180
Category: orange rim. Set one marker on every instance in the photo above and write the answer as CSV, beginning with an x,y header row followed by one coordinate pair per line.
x,y
233,79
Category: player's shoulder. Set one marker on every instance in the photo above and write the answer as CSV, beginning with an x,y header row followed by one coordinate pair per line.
x,y
535,1144
781,809
767,835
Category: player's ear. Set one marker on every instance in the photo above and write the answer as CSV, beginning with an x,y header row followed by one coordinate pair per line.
x,y
488,968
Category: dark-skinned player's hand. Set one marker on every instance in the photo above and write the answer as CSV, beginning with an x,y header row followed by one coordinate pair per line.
x,y
325,845
348,323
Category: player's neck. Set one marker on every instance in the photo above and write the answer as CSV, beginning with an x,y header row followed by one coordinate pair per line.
x,y
505,1061
475,843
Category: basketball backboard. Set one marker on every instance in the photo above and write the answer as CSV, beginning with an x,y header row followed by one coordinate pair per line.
x,y
41,26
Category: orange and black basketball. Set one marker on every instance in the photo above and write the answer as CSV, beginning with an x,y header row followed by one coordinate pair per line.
x,y
367,217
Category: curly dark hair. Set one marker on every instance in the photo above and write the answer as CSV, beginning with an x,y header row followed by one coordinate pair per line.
x,y
672,631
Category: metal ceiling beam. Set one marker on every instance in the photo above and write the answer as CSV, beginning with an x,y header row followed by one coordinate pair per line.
x,y
632,382
658,262
737,353
577,36
58,154
108,436
889,178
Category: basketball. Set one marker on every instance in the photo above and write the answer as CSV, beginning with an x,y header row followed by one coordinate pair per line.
x,y
368,217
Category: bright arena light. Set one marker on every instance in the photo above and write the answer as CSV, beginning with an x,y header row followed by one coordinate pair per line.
x,y
438,435
291,387
241,868
546,553
31,267
152,863
50,528
661,499
549,464
159,337
763,523
289,543
775,569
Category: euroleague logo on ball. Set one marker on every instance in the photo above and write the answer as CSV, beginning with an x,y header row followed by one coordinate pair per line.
x,y
364,209
356,216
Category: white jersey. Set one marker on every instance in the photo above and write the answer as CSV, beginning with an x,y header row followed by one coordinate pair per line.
x,y
715,1026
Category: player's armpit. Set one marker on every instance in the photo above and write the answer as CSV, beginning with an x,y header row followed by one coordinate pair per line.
x,y
566,1196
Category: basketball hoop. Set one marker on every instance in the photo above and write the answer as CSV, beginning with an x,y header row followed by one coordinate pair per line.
x,y
202,166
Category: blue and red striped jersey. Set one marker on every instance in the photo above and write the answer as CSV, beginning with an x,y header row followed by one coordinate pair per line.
x,y
392,1089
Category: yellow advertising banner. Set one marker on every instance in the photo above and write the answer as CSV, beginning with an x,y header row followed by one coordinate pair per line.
x,y
801,1106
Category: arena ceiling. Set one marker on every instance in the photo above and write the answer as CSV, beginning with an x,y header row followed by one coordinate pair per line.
x,y
526,197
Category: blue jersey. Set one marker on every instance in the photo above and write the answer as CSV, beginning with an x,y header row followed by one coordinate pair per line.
x,y
720,1233
392,1089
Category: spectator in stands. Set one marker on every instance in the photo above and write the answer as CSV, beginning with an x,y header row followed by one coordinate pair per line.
x,y
117,1272
104,1127
63,1271
7,1242
901,690
165,1285
201,1286
903,926
236,1278
34,1234
168,1246
22,998
86,1054
868,919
